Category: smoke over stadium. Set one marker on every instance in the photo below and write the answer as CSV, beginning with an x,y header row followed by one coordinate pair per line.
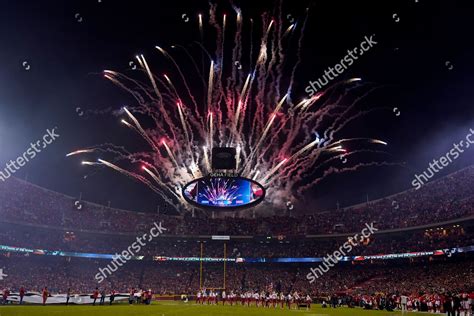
x,y
287,145
226,157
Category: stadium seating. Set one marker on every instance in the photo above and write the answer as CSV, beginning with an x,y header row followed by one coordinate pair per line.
x,y
35,218
446,199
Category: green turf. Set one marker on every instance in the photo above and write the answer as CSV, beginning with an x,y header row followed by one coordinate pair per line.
x,y
180,309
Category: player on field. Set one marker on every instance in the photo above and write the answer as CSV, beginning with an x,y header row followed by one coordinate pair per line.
x,y
198,297
263,299
289,300
296,298
274,299
224,297
204,297
308,301
256,298
282,299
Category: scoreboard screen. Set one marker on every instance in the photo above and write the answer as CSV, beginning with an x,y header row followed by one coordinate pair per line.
x,y
224,192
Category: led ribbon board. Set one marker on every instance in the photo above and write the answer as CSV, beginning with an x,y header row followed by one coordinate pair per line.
x,y
223,192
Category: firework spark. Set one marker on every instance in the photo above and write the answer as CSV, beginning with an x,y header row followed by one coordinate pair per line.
x,y
247,104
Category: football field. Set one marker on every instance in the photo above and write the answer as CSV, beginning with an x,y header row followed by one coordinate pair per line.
x,y
181,309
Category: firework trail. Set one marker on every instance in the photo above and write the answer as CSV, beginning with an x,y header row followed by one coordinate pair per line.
x,y
247,104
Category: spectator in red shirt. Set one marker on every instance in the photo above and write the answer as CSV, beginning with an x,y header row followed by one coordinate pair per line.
x,y
6,292
45,295
95,295
22,294
147,297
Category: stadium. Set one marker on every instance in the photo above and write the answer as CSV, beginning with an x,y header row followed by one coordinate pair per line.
x,y
204,169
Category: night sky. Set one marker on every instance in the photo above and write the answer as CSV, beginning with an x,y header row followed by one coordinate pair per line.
x,y
423,64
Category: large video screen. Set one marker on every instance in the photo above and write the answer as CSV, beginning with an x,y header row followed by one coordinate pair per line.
x,y
224,192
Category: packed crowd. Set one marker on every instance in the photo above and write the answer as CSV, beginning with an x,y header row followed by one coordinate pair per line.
x,y
57,240
448,303
448,198
414,277
35,218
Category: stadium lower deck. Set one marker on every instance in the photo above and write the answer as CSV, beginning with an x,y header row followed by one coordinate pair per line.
x,y
41,249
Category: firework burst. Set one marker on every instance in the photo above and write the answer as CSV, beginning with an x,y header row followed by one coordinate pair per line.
x,y
246,102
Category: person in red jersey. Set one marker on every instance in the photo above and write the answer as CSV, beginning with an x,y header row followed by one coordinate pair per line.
x,y
149,296
6,292
95,295
22,295
308,301
45,295
198,297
